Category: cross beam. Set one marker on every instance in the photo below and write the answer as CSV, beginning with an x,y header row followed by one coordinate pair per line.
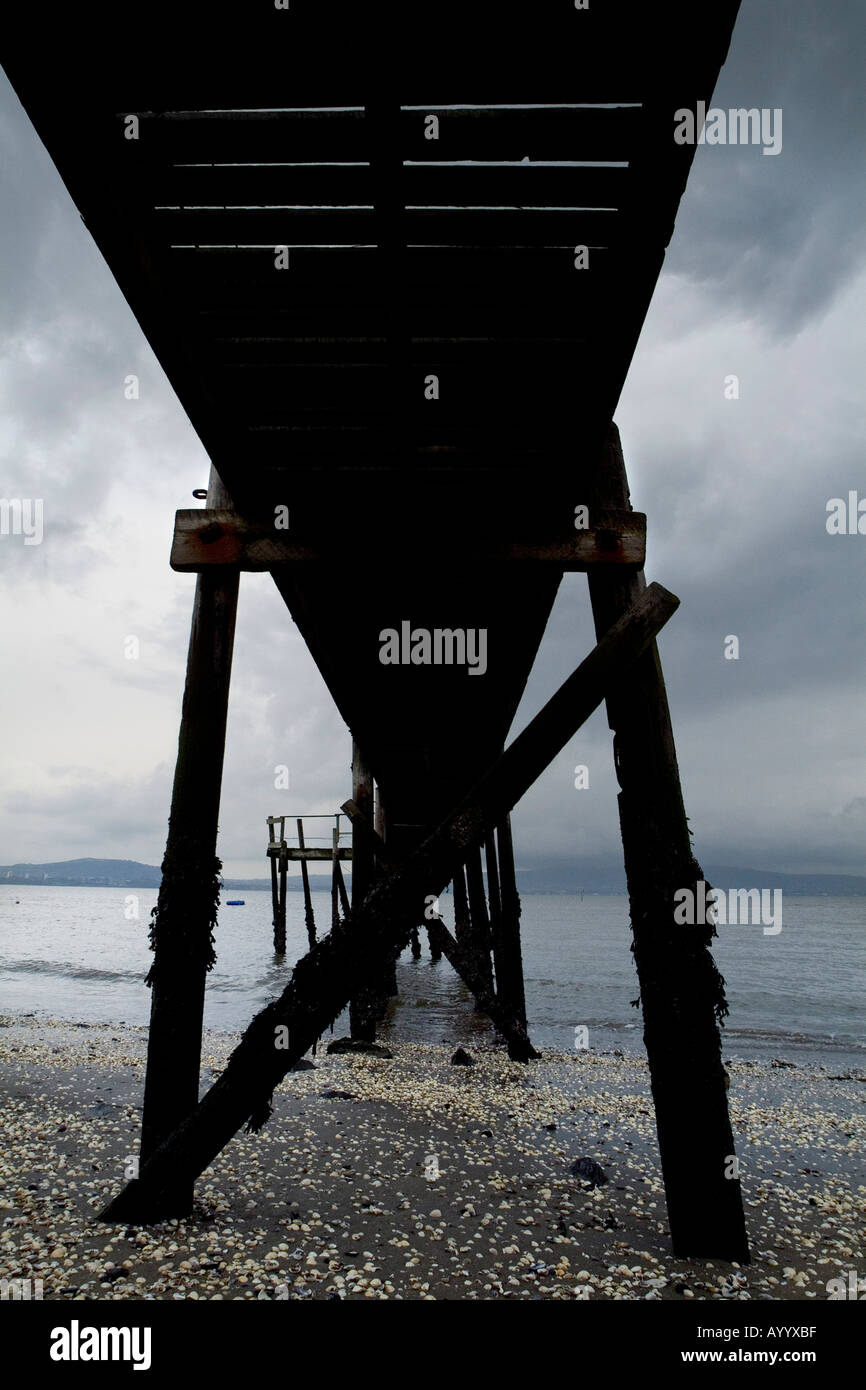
x,y
204,537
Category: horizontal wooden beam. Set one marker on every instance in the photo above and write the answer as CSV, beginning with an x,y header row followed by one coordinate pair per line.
x,y
423,184
205,537
274,852
242,137
325,226
321,276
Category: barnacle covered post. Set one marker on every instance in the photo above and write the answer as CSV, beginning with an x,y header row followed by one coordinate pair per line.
x,y
509,964
367,1004
682,994
479,921
185,914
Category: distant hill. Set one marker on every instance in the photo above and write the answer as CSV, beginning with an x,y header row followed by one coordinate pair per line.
x,y
91,873
603,878
797,885
110,873
550,877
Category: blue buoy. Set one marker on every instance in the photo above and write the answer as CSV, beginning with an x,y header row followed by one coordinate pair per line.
x,y
235,902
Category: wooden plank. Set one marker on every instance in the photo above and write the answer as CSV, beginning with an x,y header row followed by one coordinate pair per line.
x,y
308,459
364,322
323,981
564,309
272,227
375,444
331,275
265,357
569,132
542,133
266,228
206,538
504,389
310,854
214,136
317,360
441,185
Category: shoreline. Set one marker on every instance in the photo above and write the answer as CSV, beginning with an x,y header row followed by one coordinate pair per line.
x,y
745,1047
337,1197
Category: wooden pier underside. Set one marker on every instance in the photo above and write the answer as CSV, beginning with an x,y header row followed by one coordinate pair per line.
x,y
395,265
408,257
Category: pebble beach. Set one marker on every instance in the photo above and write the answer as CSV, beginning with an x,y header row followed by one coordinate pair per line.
x,y
406,1177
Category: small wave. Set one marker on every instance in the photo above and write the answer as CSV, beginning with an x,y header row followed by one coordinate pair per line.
x,y
63,970
781,1037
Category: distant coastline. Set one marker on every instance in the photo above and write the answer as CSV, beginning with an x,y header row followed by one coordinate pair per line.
x,y
551,879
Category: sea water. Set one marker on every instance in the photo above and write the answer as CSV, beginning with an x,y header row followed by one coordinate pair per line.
x,y
76,953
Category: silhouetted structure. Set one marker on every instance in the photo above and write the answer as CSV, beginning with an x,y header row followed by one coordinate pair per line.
x,y
401,330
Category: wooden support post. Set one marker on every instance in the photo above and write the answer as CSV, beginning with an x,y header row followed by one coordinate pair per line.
x,y
509,965
309,915
415,944
280,931
275,894
335,869
520,1049
389,976
494,898
323,981
681,991
367,1004
462,925
434,944
185,915
479,938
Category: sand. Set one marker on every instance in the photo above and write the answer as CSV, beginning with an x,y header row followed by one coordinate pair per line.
x,y
410,1178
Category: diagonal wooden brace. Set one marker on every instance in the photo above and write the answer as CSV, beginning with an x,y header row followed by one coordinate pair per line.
x,y
324,980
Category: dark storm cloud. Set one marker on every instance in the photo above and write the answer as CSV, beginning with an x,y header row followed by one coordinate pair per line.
x,y
68,344
778,236
767,248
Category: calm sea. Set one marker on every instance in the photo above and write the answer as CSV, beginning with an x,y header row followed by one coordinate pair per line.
x,y
71,953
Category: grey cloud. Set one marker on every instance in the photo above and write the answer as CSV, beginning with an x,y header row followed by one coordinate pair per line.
x,y
761,281
779,236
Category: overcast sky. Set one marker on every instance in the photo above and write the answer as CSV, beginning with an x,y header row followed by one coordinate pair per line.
x,y
765,279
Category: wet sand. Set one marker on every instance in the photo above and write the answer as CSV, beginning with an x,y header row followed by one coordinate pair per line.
x,y
410,1178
